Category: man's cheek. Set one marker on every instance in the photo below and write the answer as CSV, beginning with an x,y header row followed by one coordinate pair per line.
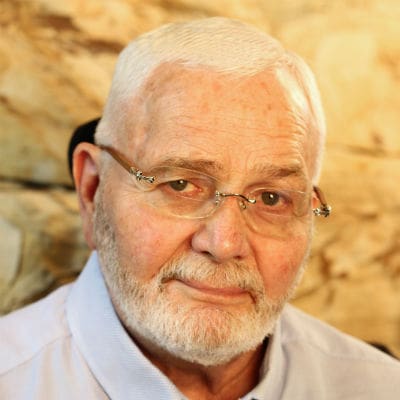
x,y
140,248
280,270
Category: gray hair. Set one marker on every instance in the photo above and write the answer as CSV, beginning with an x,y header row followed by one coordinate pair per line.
x,y
224,45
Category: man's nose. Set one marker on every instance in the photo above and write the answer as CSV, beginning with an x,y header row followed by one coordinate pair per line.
x,y
224,234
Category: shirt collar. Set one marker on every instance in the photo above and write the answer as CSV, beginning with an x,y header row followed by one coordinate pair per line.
x,y
271,381
118,364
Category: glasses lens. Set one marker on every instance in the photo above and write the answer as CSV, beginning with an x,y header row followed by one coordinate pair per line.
x,y
280,203
277,211
183,192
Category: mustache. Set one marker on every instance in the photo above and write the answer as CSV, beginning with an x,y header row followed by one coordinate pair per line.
x,y
218,275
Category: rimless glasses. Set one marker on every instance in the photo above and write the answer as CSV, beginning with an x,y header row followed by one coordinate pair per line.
x,y
186,193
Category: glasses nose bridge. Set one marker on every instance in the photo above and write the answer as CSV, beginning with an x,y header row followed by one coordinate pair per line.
x,y
242,199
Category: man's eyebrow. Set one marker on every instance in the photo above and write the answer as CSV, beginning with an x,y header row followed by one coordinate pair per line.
x,y
201,165
213,168
279,171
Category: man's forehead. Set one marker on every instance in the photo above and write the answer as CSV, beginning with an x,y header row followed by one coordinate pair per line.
x,y
178,104
205,95
175,78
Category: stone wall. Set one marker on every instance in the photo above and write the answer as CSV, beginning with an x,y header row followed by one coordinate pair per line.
x,y
56,60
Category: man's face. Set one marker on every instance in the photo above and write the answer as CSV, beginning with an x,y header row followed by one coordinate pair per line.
x,y
204,290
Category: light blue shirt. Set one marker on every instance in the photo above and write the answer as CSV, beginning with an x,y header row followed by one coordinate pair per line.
x,y
71,345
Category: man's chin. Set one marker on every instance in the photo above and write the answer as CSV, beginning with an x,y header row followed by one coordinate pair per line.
x,y
205,335
217,341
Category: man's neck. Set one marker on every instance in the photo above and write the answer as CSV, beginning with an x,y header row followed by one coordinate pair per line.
x,y
223,382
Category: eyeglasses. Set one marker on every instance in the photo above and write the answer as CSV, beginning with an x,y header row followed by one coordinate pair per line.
x,y
191,194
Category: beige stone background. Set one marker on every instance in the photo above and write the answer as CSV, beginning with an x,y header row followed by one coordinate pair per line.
x,y
56,61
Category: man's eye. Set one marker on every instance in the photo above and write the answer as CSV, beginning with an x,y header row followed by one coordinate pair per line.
x,y
185,185
179,185
270,198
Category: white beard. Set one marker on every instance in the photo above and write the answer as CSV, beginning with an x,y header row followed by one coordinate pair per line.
x,y
205,334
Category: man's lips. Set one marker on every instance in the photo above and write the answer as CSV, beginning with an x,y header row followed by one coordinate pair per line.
x,y
208,293
225,291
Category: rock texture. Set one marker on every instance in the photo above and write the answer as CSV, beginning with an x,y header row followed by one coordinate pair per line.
x,y
56,61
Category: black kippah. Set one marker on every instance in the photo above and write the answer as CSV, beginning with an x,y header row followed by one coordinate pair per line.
x,y
83,133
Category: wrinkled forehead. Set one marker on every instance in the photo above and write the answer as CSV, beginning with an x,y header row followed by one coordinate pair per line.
x,y
267,91
229,103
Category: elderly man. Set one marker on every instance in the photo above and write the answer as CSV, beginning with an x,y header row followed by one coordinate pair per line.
x,y
198,201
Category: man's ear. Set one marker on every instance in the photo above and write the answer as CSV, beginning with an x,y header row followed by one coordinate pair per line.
x,y
86,178
315,201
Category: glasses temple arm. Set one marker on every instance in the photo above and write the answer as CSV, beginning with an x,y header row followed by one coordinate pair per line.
x,y
325,209
120,160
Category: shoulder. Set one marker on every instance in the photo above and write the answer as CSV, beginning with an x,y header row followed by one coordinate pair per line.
x,y
336,360
30,330
298,326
